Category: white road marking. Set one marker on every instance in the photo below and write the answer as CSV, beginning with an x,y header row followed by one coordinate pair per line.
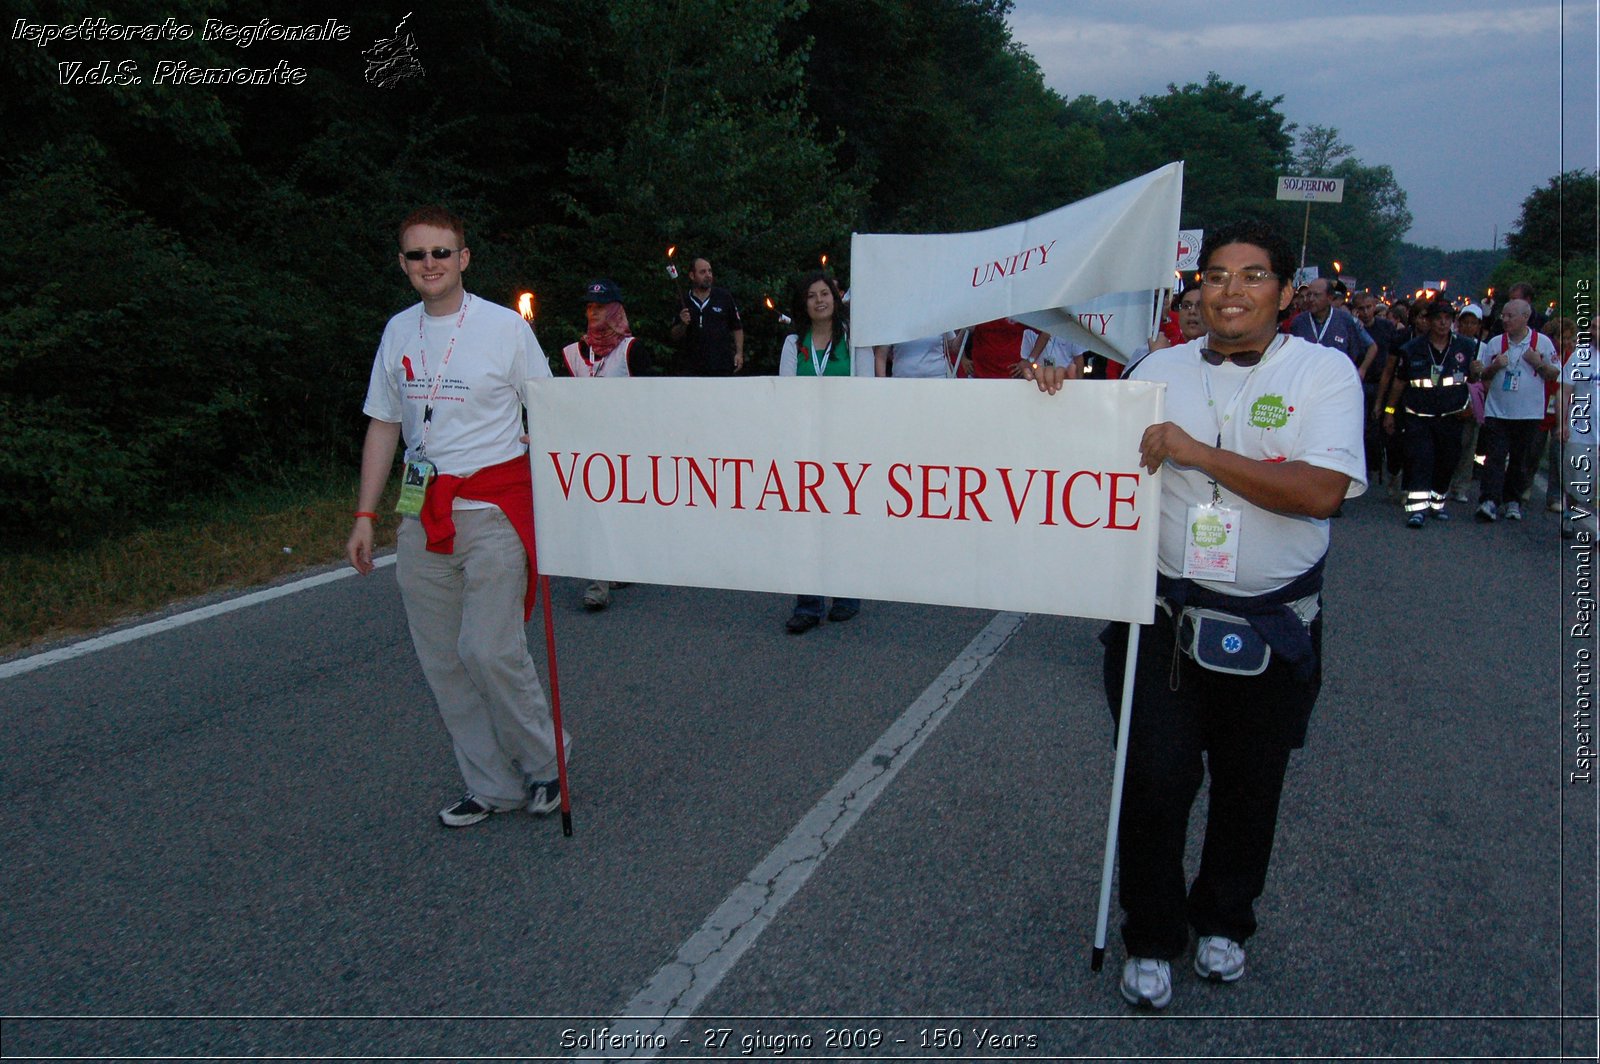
x,y
177,620
673,994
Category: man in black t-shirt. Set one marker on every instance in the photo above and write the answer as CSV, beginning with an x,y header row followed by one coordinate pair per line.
x,y
708,326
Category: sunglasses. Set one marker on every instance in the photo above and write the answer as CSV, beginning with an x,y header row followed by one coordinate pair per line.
x,y
438,253
1238,358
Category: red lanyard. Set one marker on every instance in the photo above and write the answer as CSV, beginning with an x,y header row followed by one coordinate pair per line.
x,y
438,379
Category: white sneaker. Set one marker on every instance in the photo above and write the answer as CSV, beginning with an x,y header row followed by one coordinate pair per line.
x,y
1487,511
1218,958
1146,981
1513,511
544,797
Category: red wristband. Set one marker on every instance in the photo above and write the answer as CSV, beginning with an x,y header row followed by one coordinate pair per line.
x,y
364,513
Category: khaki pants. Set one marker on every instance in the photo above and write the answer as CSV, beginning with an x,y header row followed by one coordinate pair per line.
x,y
465,613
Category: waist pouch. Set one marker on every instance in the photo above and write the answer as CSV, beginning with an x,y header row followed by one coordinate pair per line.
x,y
1222,642
1237,625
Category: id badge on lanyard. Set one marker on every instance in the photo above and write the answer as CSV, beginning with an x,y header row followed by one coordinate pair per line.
x,y
418,472
1211,543
414,480
1211,530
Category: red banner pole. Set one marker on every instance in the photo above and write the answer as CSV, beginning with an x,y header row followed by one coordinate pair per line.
x,y
555,707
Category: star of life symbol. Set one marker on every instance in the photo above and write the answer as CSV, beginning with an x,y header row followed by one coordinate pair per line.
x,y
1232,643
392,60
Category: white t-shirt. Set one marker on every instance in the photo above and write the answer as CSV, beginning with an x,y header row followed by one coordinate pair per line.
x,y
1057,352
921,358
1516,392
477,411
1302,403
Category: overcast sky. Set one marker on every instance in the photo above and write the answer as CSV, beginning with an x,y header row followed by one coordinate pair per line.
x,y
1463,98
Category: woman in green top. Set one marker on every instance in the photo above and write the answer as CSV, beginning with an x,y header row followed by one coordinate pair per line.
x,y
819,347
820,344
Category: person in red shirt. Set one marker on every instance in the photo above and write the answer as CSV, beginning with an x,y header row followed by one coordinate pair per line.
x,y
995,349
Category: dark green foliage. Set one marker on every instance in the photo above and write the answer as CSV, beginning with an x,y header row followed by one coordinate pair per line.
x,y
1557,223
1364,232
205,270
1467,271
1553,246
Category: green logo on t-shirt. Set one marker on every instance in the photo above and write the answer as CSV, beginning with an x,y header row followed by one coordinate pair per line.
x,y
1270,412
1209,531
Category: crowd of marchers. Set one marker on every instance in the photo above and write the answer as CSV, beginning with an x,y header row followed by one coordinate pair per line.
x,y
1280,404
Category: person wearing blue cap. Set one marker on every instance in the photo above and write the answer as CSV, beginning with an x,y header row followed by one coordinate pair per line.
x,y
606,349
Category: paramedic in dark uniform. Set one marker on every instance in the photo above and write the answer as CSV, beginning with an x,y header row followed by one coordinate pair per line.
x,y
1429,390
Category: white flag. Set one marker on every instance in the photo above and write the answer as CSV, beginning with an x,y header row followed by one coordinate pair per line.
x,y
1119,241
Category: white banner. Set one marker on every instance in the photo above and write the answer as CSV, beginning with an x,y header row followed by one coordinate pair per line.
x,y
980,493
904,286
1114,325
1314,189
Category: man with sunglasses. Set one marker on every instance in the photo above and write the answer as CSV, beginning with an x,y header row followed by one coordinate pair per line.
x,y
1262,446
448,379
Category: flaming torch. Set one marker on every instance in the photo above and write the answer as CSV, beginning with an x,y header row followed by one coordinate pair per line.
x,y
525,306
672,267
783,319
824,261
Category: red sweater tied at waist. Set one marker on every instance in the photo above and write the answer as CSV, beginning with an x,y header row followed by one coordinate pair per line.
x,y
509,486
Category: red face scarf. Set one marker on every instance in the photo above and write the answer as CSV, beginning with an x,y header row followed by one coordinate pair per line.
x,y
608,325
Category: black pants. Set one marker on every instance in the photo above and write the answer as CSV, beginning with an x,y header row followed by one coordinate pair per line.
x,y
1506,471
1244,729
1433,447
1372,428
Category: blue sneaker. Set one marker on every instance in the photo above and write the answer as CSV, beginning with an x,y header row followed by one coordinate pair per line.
x,y
544,797
1441,515
1416,520
468,811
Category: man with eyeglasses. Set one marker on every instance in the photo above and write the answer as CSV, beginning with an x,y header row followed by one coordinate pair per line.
x,y
1333,326
448,379
1262,446
1514,366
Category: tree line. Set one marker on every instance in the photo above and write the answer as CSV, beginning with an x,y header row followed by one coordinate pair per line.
x,y
203,270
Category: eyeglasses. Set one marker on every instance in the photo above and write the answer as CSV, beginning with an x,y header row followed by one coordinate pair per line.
x,y
1238,358
1217,277
439,253
1189,304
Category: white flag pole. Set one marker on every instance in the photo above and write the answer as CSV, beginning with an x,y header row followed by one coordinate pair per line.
x,y
1124,717
961,351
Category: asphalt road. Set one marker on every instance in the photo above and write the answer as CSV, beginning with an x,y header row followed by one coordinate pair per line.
x,y
220,840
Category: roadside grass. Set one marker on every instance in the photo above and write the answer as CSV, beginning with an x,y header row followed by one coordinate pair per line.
x,y
219,544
